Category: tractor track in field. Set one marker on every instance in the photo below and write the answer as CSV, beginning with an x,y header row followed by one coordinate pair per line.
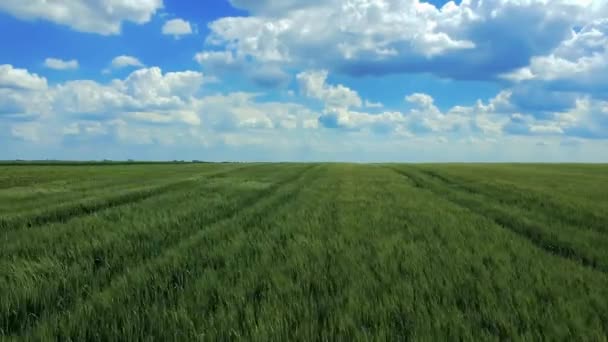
x,y
527,230
548,208
15,321
63,214
121,279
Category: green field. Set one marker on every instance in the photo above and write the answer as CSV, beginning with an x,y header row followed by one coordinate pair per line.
x,y
304,252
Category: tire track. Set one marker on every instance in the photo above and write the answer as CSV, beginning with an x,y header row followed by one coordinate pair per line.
x,y
525,228
548,208
174,267
64,213
19,320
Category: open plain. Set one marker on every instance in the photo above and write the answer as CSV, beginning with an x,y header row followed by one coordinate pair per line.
x,y
304,251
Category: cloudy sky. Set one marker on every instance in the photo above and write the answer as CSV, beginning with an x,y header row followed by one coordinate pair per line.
x,y
326,80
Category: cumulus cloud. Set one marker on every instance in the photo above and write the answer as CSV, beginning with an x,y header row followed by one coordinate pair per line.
x,y
578,63
268,7
177,28
266,75
85,128
334,29
29,131
11,102
188,117
147,106
585,119
123,61
386,122
150,106
522,74
95,16
313,84
423,118
23,95
570,76
145,94
241,110
481,119
422,100
86,97
549,128
24,104
484,39
150,83
11,77
59,64
371,104
215,58
269,76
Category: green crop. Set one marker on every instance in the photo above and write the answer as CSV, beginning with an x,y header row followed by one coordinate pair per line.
x,y
303,252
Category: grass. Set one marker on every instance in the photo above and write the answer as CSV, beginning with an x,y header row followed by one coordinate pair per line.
x,y
303,251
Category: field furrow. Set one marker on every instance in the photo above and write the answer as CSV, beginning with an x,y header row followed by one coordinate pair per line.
x,y
168,271
310,252
537,203
580,245
64,212
82,271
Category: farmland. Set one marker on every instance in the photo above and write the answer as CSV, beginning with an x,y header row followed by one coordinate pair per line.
x,y
304,251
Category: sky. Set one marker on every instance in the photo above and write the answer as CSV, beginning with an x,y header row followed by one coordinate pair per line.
x,y
305,80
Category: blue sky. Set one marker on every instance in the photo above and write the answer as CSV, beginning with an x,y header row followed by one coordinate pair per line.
x,y
296,80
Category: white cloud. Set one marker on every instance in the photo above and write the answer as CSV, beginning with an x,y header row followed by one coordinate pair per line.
x,y
95,16
391,36
145,91
371,104
422,100
581,60
150,84
482,120
551,128
85,97
149,96
150,106
240,110
219,61
11,77
125,61
23,95
585,119
89,128
24,104
59,64
267,7
339,29
173,116
215,57
313,84
552,67
310,123
522,74
386,122
177,27
28,131
424,118
268,76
